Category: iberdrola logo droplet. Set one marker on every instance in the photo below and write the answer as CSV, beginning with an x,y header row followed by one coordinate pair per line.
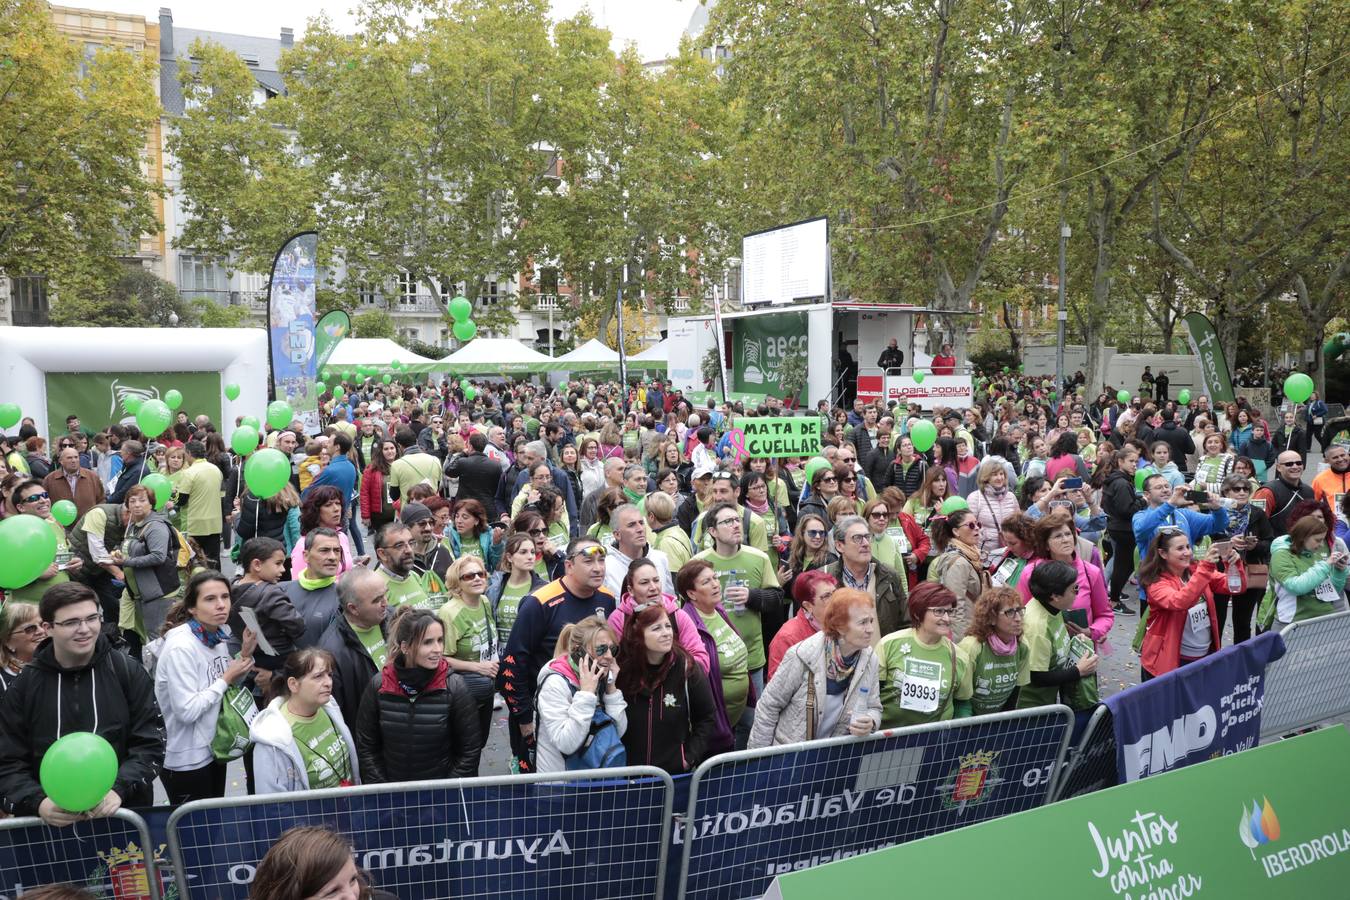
x,y
1258,827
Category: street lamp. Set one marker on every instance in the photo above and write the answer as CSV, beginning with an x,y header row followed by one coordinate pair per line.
x,y
173,319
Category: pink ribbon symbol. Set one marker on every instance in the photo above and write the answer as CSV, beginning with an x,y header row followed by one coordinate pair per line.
x,y
737,438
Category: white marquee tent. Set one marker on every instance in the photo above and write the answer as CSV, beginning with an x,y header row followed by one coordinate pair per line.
x,y
372,352
499,356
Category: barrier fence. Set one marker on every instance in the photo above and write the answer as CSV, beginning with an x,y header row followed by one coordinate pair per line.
x,y
105,855
629,833
756,814
1311,684
583,835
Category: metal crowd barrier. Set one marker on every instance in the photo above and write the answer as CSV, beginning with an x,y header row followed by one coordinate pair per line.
x,y
583,835
1091,765
1311,682
756,814
105,855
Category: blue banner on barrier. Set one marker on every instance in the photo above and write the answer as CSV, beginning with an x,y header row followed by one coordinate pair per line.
x,y
579,840
1209,708
762,817
104,856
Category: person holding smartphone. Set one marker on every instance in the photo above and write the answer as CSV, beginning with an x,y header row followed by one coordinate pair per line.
x,y
1183,625
1250,534
581,678
1308,569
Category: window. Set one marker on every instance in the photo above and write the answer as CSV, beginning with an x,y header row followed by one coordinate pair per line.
x,y
548,280
407,289
365,293
29,299
489,293
445,337
253,285
200,275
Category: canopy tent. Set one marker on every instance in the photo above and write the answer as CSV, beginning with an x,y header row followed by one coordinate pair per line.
x,y
498,356
654,357
378,352
592,354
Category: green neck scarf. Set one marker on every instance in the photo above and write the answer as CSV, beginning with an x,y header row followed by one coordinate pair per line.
x,y
314,584
633,496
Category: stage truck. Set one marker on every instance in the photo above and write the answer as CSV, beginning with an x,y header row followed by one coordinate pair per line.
x,y
756,342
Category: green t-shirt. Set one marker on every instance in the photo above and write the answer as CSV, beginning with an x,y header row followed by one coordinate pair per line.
x,y
32,591
413,469
414,590
750,568
1051,649
732,659
327,760
470,548
990,677
918,684
201,481
886,551
757,538
373,640
470,633
509,605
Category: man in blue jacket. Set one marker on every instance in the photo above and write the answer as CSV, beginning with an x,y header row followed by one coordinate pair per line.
x,y
1169,508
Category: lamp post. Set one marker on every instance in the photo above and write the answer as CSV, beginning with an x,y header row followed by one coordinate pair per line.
x,y
173,319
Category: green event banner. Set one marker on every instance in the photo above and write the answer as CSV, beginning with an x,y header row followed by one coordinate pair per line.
x,y
99,398
329,332
1213,366
759,346
777,436
701,398
1273,821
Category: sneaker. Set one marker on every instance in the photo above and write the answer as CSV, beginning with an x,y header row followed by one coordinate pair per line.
x,y
1120,607
498,702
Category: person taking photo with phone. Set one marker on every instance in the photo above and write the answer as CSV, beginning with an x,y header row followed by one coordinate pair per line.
x,y
1183,625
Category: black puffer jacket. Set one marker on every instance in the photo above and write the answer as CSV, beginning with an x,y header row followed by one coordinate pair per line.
x,y
406,736
1120,503
112,696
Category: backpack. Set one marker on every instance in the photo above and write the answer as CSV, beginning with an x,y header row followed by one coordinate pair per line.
x,y
601,748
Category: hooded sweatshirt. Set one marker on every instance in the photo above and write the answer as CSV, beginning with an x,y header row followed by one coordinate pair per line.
x,y
111,695
565,713
189,687
686,631
278,766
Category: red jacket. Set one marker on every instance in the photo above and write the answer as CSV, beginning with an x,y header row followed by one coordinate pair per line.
x,y
372,492
1168,601
944,365
797,629
919,544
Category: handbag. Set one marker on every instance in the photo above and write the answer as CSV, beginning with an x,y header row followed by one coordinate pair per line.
x,y
237,711
1258,575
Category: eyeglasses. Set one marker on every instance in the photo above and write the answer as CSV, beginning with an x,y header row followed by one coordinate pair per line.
x,y
1013,612
89,621
814,533
606,650
593,552
474,575
34,498
720,522
859,540
943,612
30,629
828,479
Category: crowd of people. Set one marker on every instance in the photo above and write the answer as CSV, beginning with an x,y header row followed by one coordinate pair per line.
x,y
603,566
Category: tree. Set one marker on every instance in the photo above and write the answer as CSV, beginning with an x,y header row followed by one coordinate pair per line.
x,y
138,299
211,314
374,323
73,196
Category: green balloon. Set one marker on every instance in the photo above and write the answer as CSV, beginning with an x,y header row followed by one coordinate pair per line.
x,y
1184,396
232,391
160,486
65,512
460,309
173,399
244,440
1140,476
279,415
78,771
464,384
154,418
465,331
470,393
387,378
562,386
347,375
1005,370
923,435
338,392
395,364
132,404
1123,396
10,414
919,376
27,548
952,504
250,421
1298,387
267,472
320,387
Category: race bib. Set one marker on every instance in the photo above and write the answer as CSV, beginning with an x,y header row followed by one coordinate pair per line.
x,y
1197,618
559,541
920,685
1004,573
901,539
1326,592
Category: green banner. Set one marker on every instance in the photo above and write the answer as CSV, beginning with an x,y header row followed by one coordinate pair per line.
x,y
98,398
759,345
332,328
1273,821
1213,365
700,398
777,436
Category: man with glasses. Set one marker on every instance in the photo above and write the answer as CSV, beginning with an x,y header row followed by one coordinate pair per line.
x,y
77,681
540,619
1168,507
723,489
751,595
72,481
1333,483
394,548
857,569
1282,493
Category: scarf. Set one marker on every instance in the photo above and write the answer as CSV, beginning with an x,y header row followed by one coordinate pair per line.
x,y
1000,646
1239,519
759,509
839,667
972,555
314,584
632,495
208,638
413,680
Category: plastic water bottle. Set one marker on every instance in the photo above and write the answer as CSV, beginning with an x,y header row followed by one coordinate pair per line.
x,y
860,710
1234,580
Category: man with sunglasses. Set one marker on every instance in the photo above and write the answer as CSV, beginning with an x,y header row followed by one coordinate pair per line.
x,y
31,497
540,619
78,682
1283,492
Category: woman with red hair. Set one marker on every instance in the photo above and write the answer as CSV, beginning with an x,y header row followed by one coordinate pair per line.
x,y
810,590
827,684
922,678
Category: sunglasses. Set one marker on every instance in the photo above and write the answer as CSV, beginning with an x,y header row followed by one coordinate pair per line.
x,y
605,650
34,498
878,514
592,552
815,533
473,575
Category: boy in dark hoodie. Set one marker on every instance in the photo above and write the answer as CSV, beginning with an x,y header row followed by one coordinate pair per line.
x,y
263,562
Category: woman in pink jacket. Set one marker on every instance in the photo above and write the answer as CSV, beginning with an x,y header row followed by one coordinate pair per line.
x,y
992,503
642,585
1054,538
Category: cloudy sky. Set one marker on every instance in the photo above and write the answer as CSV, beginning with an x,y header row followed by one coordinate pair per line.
x,y
654,25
